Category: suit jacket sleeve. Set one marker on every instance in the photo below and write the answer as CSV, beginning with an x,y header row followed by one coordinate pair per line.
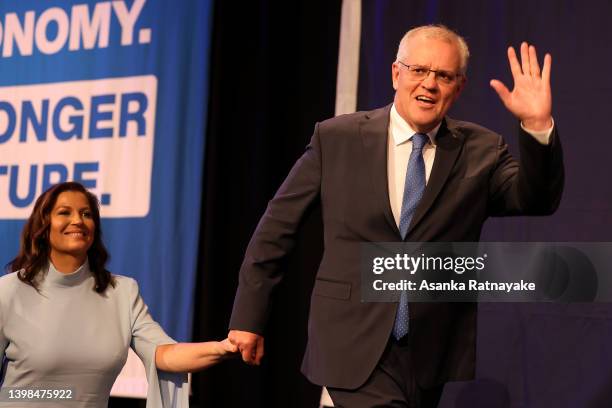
x,y
534,187
273,238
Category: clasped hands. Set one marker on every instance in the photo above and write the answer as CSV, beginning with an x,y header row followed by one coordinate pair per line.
x,y
250,345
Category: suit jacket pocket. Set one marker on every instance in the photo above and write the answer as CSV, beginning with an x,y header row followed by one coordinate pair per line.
x,y
332,289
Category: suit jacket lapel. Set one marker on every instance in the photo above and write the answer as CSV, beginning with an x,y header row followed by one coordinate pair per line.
x,y
448,146
374,130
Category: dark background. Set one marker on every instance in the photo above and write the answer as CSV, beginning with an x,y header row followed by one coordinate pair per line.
x,y
578,34
528,355
274,75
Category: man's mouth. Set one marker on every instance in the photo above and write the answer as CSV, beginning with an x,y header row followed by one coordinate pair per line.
x,y
422,98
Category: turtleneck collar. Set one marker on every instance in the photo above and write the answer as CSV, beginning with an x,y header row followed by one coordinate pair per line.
x,y
57,278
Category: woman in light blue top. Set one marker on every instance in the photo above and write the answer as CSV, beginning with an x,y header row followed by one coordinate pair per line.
x,y
66,323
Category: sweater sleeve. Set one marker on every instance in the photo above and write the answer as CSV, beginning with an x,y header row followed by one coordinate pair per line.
x,y
166,390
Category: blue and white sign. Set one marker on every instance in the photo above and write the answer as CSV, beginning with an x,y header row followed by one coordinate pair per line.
x,y
97,132
112,94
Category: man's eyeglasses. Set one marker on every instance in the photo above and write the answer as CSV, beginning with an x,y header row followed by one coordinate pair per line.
x,y
419,72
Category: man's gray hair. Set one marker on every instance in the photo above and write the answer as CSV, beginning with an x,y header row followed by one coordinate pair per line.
x,y
438,32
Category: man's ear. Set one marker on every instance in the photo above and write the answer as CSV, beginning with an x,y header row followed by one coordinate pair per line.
x,y
395,74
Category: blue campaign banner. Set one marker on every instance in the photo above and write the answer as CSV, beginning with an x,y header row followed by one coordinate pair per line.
x,y
112,94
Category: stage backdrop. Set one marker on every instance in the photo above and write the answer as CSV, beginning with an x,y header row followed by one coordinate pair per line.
x,y
528,355
112,94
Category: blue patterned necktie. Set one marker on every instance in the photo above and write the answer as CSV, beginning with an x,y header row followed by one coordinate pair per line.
x,y
413,191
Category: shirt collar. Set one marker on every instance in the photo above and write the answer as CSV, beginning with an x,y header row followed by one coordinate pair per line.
x,y
401,130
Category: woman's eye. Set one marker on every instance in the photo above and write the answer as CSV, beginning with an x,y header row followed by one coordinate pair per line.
x,y
87,214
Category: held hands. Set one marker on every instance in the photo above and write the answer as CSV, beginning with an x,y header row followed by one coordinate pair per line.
x,y
530,100
250,345
225,349
191,357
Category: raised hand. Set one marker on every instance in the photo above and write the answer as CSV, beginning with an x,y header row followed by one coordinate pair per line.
x,y
250,345
530,100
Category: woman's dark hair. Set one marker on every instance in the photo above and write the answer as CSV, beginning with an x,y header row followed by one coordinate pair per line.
x,y
34,248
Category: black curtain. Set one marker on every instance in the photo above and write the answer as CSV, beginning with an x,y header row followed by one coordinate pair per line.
x,y
273,76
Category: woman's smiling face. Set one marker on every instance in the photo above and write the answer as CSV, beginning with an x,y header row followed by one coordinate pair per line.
x,y
72,227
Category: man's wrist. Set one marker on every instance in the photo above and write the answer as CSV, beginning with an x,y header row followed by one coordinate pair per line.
x,y
542,136
538,125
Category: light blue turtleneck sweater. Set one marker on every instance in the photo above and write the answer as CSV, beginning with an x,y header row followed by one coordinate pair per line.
x,y
69,336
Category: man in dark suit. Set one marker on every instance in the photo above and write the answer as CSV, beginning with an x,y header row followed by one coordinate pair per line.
x,y
404,172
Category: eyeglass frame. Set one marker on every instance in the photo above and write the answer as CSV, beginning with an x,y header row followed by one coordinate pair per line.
x,y
437,73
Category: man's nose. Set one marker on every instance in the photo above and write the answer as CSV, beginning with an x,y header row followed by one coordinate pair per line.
x,y
429,82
